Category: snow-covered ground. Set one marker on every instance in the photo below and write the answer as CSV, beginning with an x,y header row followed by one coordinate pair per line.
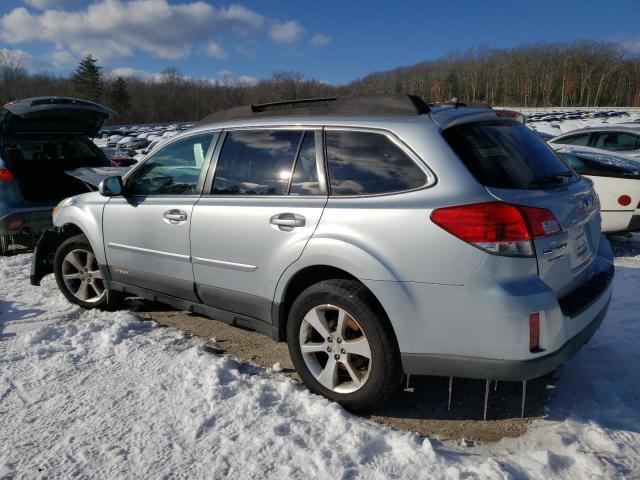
x,y
558,127
107,395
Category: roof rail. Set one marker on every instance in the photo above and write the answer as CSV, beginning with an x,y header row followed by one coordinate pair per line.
x,y
290,103
374,105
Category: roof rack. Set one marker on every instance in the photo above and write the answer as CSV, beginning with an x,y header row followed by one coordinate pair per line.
x,y
378,105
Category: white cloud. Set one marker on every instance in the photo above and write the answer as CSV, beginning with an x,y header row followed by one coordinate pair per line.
x,y
127,72
286,32
16,58
633,45
226,77
248,79
214,49
319,40
63,58
117,28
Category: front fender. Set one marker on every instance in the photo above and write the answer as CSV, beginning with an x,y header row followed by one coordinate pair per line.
x,y
86,214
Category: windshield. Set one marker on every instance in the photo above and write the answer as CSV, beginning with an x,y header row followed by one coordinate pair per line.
x,y
502,154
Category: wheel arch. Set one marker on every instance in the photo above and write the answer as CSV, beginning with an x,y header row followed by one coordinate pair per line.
x,y
84,222
297,281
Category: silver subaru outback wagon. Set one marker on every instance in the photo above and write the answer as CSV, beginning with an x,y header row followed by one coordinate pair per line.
x,y
376,235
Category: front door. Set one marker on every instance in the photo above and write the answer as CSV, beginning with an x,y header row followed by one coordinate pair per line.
x,y
146,231
254,221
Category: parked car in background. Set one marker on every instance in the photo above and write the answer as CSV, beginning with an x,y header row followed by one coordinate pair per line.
x,y
40,139
375,235
616,138
616,179
120,157
134,143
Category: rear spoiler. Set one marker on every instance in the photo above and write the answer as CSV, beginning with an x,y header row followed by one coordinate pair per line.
x,y
446,118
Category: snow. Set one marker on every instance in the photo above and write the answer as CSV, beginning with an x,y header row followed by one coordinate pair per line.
x,y
558,127
107,395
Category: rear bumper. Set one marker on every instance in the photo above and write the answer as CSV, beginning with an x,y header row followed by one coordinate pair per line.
x,y
25,222
504,370
481,330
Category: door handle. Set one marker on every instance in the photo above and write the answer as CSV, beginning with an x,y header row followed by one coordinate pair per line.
x,y
174,216
288,221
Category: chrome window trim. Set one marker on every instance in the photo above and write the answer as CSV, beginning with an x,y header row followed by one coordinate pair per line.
x,y
215,137
213,165
431,177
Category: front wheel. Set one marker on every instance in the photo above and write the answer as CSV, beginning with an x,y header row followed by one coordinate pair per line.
x,y
342,344
79,277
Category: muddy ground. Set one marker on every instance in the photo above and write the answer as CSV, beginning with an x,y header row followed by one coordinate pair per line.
x,y
421,408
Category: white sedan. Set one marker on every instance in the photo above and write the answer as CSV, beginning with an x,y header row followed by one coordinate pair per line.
x,y
616,179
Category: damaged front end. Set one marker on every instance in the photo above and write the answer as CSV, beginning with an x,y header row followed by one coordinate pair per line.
x,y
45,250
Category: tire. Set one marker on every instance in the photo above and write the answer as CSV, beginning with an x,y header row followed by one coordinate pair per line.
x,y
79,284
357,383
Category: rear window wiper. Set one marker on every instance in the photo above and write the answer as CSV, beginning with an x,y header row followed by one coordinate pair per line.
x,y
553,178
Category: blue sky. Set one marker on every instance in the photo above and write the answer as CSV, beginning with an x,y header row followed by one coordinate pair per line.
x,y
334,41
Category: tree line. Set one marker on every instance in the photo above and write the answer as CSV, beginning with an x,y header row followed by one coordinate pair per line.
x,y
580,74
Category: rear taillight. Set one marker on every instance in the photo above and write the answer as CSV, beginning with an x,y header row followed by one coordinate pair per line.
x,y
5,175
497,227
14,224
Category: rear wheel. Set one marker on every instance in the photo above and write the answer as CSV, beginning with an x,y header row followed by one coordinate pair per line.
x,y
342,344
79,277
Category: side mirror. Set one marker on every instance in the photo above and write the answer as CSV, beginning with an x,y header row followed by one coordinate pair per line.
x,y
111,187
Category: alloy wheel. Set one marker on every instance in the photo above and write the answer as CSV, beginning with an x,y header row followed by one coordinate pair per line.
x,y
82,277
335,349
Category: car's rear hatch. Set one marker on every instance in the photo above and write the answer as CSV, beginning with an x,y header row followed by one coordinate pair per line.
x,y
53,115
516,167
41,138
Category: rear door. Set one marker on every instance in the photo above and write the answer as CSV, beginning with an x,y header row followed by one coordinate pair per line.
x,y
256,216
517,167
146,231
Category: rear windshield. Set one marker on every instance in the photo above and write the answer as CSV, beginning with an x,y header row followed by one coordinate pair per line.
x,y
504,154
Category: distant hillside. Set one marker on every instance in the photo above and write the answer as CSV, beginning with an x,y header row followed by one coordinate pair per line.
x,y
577,74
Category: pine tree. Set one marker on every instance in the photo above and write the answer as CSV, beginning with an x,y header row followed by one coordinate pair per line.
x,y
119,98
87,80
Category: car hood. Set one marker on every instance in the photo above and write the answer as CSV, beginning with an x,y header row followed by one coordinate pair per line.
x,y
92,176
53,115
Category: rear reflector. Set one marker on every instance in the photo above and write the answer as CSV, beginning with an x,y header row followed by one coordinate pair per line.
x,y
497,227
624,200
14,224
5,175
534,332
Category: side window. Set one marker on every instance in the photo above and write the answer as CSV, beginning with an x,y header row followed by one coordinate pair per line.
x,y
616,141
305,174
171,170
256,162
367,163
573,161
582,139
